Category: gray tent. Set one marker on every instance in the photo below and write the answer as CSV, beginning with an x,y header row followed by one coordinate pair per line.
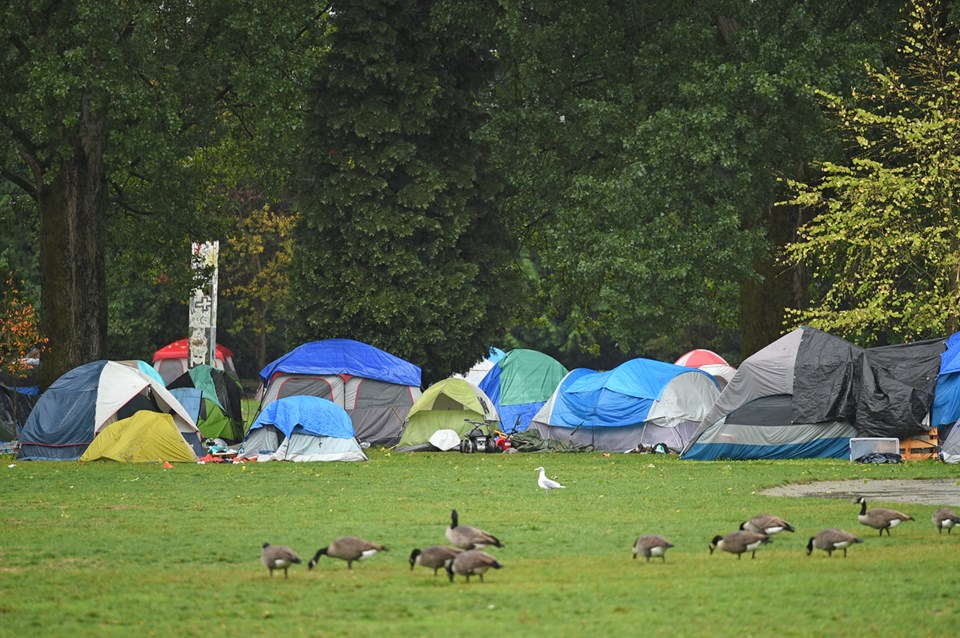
x,y
806,394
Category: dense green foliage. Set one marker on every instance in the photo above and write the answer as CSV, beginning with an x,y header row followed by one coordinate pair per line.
x,y
402,243
594,181
109,549
884,247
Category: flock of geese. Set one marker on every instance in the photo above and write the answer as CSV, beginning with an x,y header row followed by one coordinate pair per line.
x,y
465,555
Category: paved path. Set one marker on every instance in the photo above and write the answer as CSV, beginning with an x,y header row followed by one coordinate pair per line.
x,y
934,492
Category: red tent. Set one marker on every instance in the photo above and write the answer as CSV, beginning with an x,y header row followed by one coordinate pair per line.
x,y
710,362
171,360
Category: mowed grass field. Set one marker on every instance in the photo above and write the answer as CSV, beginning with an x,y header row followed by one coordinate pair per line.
x,y
114,550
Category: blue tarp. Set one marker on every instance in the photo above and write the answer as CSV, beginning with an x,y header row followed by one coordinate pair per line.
x,y
344,356
313,414
616,398
946,394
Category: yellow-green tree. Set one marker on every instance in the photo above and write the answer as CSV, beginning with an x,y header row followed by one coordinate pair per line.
x,y
256,261
884,247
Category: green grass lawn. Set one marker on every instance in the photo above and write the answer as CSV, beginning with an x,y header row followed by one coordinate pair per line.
x,y
110,549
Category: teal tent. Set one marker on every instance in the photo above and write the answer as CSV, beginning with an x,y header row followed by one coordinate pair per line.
x,y
519,384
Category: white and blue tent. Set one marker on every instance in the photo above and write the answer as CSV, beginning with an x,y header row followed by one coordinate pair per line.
x,y
85,400
640,402
302,428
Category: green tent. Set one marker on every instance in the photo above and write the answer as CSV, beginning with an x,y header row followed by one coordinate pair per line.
x,y
220,415
444,406
142,438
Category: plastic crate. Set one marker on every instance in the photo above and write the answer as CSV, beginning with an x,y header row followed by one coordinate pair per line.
x,y
859,447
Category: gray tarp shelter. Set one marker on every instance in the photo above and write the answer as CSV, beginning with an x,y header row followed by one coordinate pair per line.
x,y
806,394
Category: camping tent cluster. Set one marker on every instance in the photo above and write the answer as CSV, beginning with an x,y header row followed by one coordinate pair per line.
x,y
803,396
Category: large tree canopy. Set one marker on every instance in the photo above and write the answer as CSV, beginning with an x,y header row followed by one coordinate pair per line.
x,y
402,243
105,107
884,247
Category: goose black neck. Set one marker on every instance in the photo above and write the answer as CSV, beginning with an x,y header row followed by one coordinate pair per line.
x,y
863,507
453,518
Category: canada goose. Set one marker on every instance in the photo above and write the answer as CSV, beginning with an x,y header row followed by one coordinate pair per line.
x,y
547,484
466,537
944,519
651,545
739,542
831,539
435,556
880,518
348,548
472,563
278,557
767,524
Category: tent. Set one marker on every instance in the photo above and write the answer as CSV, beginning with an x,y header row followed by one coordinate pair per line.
x,y
806,394
710,362
519,384
480,369
173,359
302,428
142,438
82,402
220,414
376,388
640,402
444,406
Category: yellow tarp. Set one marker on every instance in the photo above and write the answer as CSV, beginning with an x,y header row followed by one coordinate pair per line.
x,y
143,438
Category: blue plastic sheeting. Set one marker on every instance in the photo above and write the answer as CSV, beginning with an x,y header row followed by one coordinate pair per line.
x,y
190,399
344,356
834,448
946,394
620,397
60,427
313,414
517,418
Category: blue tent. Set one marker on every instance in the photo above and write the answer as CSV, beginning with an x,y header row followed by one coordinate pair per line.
x,y
377,389
640,402
302,428
344,356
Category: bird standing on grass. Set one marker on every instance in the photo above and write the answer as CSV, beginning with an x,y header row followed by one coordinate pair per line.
x,y
466,537
739,542
879,517
348,548
944,519
435,557
831,539
472,563
767,524
547,484
278,557
651,545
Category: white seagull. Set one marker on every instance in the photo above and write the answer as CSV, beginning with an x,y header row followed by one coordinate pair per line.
x,y
547,484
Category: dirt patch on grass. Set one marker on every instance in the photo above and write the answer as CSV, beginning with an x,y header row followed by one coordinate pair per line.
x,y
932,492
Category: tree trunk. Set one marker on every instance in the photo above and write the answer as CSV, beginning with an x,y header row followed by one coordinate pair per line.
x,y
72,244
762,302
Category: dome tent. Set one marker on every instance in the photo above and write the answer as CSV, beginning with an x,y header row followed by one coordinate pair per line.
x,y
376,388
82,402
480,369
144,437
640,402
710,362
302,428
445,406
519,384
